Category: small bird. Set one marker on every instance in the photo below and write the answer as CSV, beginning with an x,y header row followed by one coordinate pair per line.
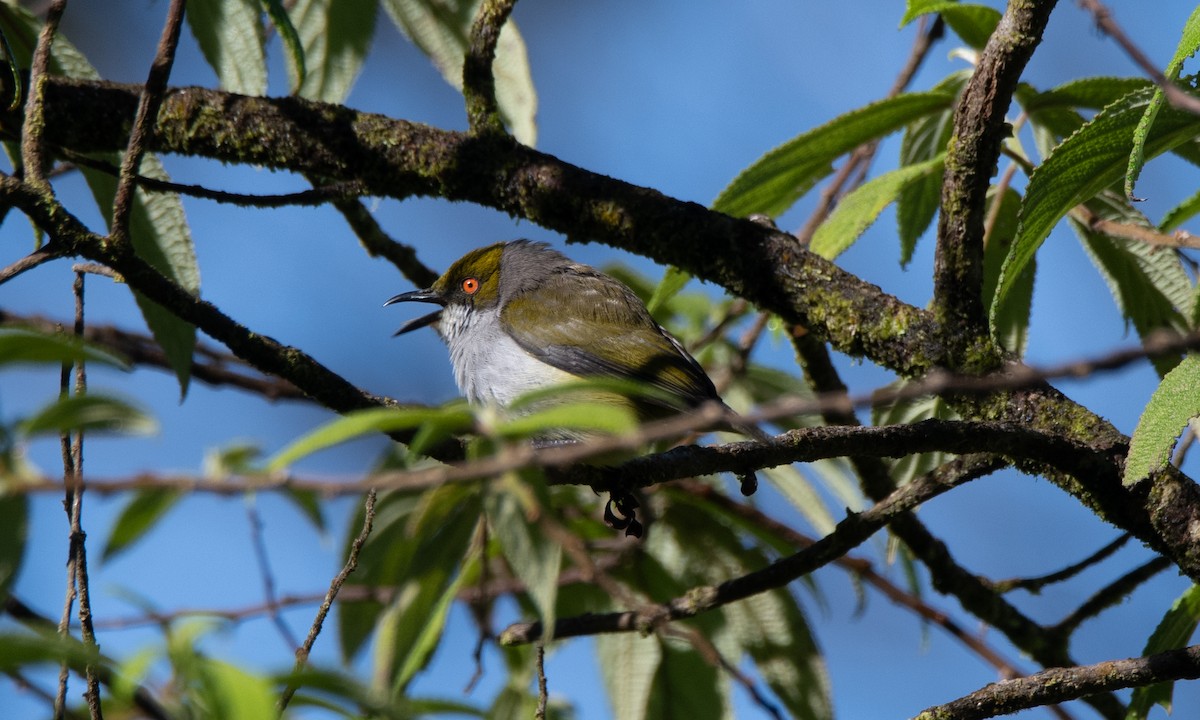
x,y
519,316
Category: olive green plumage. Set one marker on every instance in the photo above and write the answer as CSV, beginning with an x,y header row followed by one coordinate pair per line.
x,y
519,316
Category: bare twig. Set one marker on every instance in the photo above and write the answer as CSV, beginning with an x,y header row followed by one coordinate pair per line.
x,y
264,571
335,586
543,692
1104,20
143,124
44,254
1110,595
1035,585
1062,684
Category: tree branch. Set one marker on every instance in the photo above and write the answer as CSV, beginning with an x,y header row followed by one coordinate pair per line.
x,y
479,83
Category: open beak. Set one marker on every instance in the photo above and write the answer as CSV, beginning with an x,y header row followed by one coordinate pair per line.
x,y
426,295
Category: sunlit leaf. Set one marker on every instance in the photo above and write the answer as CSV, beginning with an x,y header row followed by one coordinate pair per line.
x,y
1188,44
673,281
860,208
1181,213
231,36
629,665
19,345
776,180
1172,405
428,621
234,694
138,517
579,416
336,35
908,411
363,422
1089,92
441,28
93,413
1079,168
1174,630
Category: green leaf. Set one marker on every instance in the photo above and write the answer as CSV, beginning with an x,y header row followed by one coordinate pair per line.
x,y
138,517
20,345
294,46
772,629
1012,325
924,139
906,412
973,23
90,412
14,527
1090,92
441,28
335,44
858,210
535,558
802,494
1172,405
1151,287
417,537
1181,213
234,694
364,422
159,231
428,622
1188,44
582,416
1173,632
232,39
776,180
687,687
673,281
21,28
629,664
1078,169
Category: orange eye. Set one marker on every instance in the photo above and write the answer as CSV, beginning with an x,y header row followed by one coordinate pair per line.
x,y
470,286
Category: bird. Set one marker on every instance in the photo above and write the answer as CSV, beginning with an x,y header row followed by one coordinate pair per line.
x,y
520,316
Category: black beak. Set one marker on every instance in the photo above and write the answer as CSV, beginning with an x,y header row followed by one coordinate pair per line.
x,y
426,295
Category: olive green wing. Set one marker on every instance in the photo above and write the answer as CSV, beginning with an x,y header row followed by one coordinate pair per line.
x,y
591,325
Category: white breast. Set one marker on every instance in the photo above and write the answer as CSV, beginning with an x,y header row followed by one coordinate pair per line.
x,y
489,367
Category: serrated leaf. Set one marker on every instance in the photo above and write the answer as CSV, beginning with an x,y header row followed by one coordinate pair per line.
x,y
92,413
232,39
159,231
1078,169
137,518
859,209
776,180
924,139
1089,92
772,629
292,44
535,558
1174,630
1012,325
687,687
14,526
1172,405
441,28
1181,213
20,345
973,23
429,623
363,422
21,28
802,494
629,664
336,35
1188,44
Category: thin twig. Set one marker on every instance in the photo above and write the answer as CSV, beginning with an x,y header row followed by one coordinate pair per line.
x,y
1034,585
1059,685
44,254
1110,595
1104,20
264,571
143,124
543,692
479,84
335,586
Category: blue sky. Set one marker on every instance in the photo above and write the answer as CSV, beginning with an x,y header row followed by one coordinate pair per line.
x,y
678,96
